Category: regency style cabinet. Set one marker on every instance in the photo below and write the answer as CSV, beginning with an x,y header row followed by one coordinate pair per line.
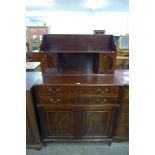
x,y
78,95
77,112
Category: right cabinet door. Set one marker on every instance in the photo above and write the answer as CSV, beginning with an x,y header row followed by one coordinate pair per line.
x,y
97,122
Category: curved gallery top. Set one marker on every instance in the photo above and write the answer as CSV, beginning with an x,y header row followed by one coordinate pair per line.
x,y
75,43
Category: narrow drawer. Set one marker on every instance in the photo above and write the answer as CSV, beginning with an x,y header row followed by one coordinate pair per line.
x,y
97,100
99,90
56,100
59,90
124,118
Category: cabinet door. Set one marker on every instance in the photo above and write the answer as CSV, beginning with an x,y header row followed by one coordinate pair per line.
x,y
98,122
57,122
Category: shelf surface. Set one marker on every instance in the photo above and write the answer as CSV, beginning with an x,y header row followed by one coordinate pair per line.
x,y
121,77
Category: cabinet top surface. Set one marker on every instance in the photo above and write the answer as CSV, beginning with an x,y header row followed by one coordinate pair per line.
x,y
121,77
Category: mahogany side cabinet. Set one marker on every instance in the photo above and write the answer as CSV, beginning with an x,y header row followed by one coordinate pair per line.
x,y
78,96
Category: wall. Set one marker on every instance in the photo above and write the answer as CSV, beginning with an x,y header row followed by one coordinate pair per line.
x,y
74,22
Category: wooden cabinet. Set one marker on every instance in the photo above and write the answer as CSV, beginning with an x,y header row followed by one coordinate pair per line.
x,y
72,113
122,129
78,96
34,36
32,131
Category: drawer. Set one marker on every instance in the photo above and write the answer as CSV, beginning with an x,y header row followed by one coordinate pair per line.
x,y
98,90
97,100
124,118
59,90
123,131
59,99
56,100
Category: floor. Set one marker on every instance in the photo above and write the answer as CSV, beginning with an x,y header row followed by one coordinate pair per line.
x,y
82,148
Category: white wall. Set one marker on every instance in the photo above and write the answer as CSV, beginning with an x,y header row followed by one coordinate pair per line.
x,y
72,22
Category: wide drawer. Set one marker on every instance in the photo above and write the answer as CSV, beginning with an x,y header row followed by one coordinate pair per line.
x,y
96,90
59,90
78,90
97,100
58,99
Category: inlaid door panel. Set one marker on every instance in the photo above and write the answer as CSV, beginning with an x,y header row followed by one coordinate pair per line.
x,y
98,122
58,123
107,63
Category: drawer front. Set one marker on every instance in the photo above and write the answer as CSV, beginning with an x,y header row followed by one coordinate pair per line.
x,y
124,118
59,99
97,100
56,99
56,90
99,90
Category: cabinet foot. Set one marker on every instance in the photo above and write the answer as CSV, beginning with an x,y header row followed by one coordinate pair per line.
x,y
45,144
109,143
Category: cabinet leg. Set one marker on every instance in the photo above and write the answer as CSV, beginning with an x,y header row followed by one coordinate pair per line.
x,y
45,144
109,143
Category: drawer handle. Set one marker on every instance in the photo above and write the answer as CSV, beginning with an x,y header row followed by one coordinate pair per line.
x,y
102,91
54,90
54,101
101,101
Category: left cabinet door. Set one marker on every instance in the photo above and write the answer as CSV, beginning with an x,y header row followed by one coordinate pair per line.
x,y
57,122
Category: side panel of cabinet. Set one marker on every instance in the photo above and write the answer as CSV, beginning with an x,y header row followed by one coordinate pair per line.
x,y
32,131
122,127
57,122
107,63
98,122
